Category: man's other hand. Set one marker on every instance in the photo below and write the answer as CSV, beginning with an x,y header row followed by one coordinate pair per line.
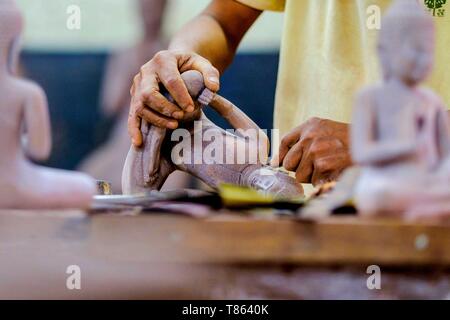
x,y
317,151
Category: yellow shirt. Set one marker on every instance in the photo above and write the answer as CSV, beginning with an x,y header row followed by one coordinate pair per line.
x,y
328,52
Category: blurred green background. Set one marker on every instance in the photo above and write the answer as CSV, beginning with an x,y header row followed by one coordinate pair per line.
x,y
113,23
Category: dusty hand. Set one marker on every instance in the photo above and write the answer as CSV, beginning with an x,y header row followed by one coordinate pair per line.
x,y
318,151
149,104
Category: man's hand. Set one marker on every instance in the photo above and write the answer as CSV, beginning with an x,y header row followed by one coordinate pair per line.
x,y
318,151
149,104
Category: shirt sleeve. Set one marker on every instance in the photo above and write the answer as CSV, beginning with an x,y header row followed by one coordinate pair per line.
x,y
271,5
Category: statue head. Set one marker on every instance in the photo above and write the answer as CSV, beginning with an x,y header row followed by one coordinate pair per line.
x,y
406,43
11,26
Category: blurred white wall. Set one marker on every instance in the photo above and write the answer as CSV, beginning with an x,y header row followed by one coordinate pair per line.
x,y
107,24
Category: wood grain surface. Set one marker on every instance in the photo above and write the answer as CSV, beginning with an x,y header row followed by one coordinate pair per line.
x,y
227,256
236,239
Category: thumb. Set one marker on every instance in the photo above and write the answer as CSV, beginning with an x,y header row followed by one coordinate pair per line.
x,y
211,78
210,74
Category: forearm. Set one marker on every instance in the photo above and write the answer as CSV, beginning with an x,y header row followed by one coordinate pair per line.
x,y
37,139
386,152
205,37
217,32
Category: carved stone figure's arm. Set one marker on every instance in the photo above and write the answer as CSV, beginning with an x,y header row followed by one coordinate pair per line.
x,y
240,121
37,124
13,61
366,150
443,134
362,130
154,138
440,122
232,114
386,152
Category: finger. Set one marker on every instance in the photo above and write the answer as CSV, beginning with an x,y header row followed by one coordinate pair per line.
x,y
210,74
328,169
136,82
293,157
146,90
306,167
156,101
146,81
158,120
287,142
319,179
329,159
171,79
134,130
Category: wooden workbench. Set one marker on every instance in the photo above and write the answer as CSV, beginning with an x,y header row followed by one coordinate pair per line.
x,y
225,256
